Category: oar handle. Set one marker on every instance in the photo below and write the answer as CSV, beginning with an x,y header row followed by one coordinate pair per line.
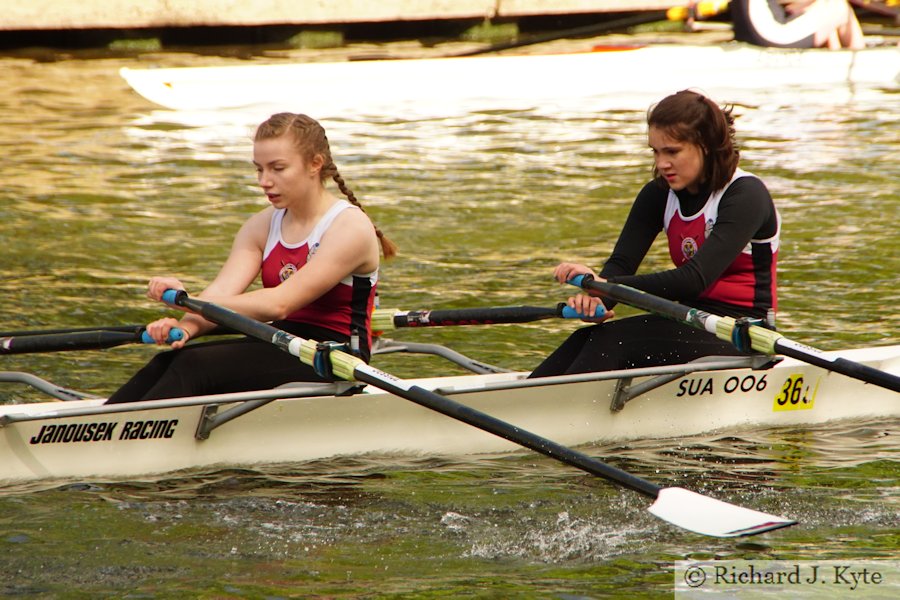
x,y
171,296
568,312
638,299
577,281
175,334
97,339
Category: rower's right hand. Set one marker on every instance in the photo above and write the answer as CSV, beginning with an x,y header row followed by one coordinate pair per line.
x,y
587,305
566,271
158,285
159,331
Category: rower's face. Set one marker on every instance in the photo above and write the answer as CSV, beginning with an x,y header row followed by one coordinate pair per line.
x,y
282,173
681,163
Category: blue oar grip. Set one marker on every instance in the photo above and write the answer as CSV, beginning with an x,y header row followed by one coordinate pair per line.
x,y
570,313
175,334
577,280
170,297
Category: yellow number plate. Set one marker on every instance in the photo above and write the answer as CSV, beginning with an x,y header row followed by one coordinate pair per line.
x,y
796,394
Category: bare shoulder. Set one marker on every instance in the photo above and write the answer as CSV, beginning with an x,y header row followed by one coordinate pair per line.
x,y
352,232
259,220
354,219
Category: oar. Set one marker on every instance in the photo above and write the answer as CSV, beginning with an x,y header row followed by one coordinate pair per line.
x,y
879,8
90,339
584,31
681,507
882,31
24,332
697,10
702,9
725,328
386,318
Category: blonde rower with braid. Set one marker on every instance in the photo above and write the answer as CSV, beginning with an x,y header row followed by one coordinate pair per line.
x,y
317,256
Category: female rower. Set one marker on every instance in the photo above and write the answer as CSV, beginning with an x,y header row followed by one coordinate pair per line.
x,y
797,24
318,258
722,230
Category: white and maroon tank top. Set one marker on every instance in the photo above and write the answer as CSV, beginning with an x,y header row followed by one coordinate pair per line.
x,y
345,308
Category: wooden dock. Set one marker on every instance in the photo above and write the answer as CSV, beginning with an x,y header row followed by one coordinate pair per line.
x,y
141,14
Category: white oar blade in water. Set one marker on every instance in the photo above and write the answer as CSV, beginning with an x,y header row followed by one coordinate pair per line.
x,y
708,516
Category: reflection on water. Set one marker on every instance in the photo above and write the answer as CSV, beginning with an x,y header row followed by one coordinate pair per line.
x,y
101,189
431,522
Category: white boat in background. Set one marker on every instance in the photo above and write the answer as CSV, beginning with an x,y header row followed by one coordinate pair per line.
x,y
625,76
83,439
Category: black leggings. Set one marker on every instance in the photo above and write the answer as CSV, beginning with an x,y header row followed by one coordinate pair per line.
x,y
223,366
633,342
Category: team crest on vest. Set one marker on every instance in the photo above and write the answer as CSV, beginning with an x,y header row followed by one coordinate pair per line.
x,y
287,269
688,247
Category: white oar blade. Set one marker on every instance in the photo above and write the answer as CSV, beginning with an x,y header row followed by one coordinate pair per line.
x,y
708,516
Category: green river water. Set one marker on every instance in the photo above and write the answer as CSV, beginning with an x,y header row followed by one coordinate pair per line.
x,y
100,189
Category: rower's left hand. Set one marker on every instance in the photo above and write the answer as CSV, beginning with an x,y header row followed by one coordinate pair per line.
x,y
566,271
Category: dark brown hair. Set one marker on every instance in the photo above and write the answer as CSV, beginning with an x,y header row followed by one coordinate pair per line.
x,y
688,116
311,141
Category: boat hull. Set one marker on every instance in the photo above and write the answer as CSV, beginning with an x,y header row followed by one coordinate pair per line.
x,y
625,77
143,439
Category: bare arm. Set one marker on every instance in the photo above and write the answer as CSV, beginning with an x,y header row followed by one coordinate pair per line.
x,y
237,273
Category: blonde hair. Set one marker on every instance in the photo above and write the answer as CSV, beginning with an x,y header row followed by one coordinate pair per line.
x,y
310,140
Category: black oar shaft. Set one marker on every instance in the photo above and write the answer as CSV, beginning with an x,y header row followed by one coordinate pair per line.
x,y
84,340
522,437
30,332
839,365
583,31
642,300
675,505
763,340
436,402
80,339
232,320
474,316
383,319
879,8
